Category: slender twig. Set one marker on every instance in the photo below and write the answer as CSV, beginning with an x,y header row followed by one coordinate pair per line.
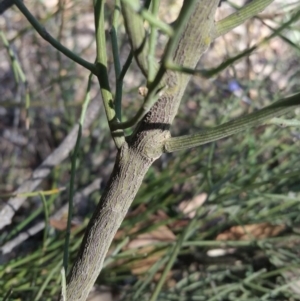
x,y
45,35
115,49
167,63
181,21
134,25
281,35
212,72
152,44
126,66
101,60
102,74
46,219
232,127
239,17
18,74
34,193
138,116
73,171
144,13
153,96
47,280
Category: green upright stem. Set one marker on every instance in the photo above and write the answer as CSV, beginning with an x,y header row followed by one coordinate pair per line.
x,y
148,16
102,74
134,25
115,49
152,44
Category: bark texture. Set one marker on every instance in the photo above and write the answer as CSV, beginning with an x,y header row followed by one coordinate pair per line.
x,y
128,173
136,156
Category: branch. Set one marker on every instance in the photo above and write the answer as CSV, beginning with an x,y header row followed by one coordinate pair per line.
x,y
239,17
157,84
117,65
46,36
102,74
152,20
152,44
232,127
137,35
5,5
230,61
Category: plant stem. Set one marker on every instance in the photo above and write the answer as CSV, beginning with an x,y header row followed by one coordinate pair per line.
x,y
102,74
115,49
239,17
234,126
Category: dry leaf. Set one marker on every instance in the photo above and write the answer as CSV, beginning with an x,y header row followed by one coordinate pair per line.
x,y
248,232
189,207
61,224
161,234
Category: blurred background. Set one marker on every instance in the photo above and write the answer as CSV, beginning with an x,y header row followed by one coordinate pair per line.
x,y
239,197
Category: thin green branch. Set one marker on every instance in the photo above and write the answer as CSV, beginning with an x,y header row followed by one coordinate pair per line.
x,y
73,171
117,65
17,69
46,36
285,39
239,17
126,66
230,61
152,44
102,74
232,127
145,14
44,285
70,199
18,74
138,116
212,72
235,243
101,60
156,87
181,21
46,212
137,35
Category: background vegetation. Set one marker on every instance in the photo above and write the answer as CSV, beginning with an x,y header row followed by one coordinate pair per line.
x,y
237,232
